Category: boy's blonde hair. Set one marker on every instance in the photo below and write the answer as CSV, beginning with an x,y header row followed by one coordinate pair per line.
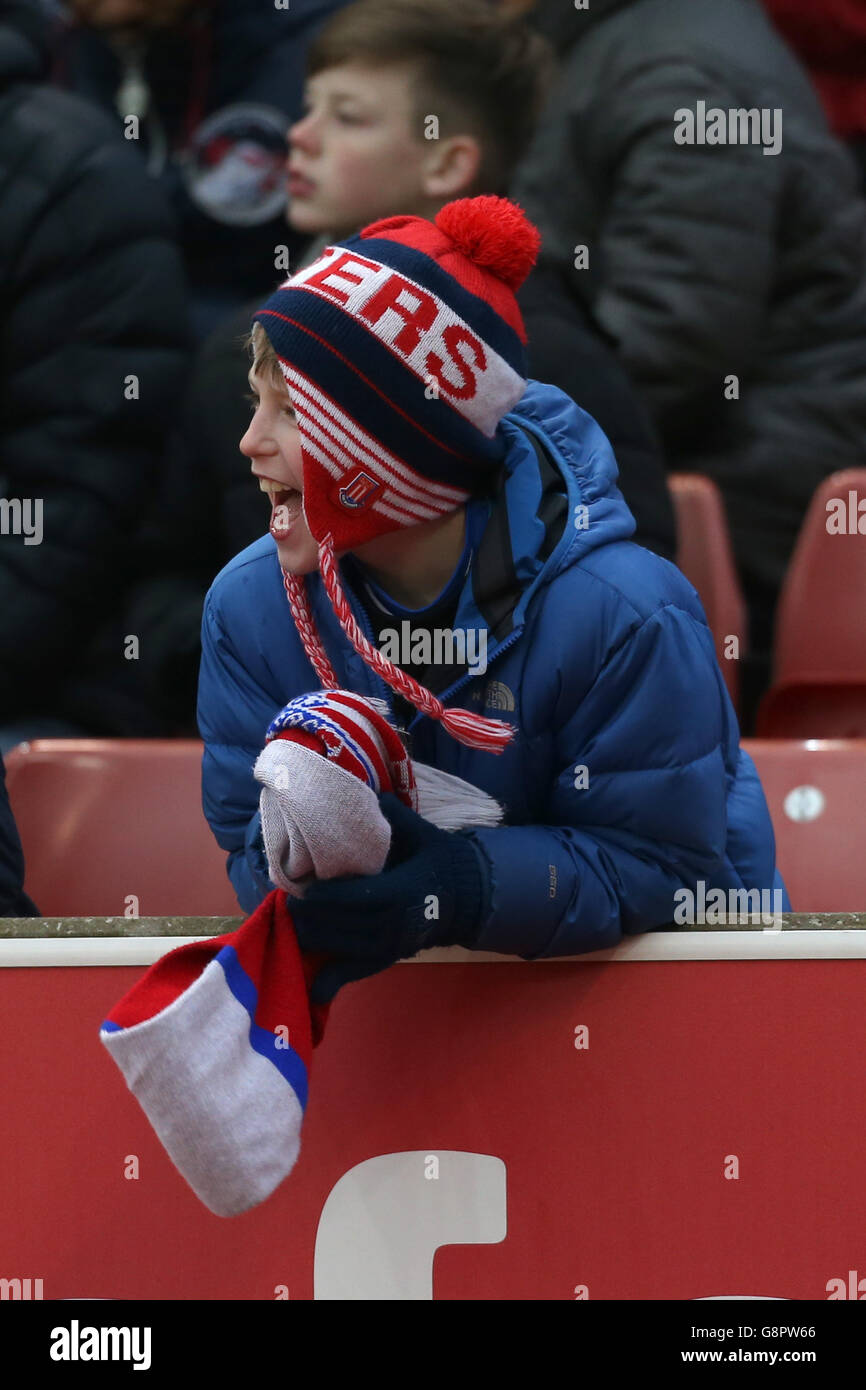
x,y
265,362
480,71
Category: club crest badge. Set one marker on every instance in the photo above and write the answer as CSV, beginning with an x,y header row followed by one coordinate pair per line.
x,y
359,492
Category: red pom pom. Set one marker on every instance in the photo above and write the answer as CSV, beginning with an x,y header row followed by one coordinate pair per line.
x,y
494,233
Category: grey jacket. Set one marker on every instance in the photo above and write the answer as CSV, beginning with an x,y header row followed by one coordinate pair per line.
x,y
708,261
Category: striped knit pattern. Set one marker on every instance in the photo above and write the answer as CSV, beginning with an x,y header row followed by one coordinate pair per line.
x,y
354,736
402,349
399,371
392,300
354,468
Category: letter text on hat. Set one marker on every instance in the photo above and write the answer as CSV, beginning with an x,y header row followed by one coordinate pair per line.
x,y
416,318
322,278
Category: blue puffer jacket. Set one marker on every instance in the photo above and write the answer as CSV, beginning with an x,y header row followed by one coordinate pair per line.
x,y
597,649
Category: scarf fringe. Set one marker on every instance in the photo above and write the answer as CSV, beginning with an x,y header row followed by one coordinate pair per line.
x,y
451,803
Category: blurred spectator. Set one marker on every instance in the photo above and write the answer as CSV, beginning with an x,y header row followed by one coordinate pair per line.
x,y
14,902
732,275
830,38
213,85
568,347
487,78
362,145
93,353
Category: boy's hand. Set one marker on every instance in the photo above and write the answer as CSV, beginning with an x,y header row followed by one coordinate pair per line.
x,y
431,893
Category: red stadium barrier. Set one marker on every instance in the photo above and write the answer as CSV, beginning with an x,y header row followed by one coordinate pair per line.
x,y
607,1128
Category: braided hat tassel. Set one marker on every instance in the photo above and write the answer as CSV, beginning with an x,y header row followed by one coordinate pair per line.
x,y
472,730
296,591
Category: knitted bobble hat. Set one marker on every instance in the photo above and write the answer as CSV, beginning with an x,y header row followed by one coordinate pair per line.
x,y
402,348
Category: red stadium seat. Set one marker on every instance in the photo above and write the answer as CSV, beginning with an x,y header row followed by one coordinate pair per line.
x,y
104,821
706,558
814,790
819,662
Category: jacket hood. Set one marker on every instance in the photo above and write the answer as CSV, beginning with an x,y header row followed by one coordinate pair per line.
x,y
556,502
23,42
563,25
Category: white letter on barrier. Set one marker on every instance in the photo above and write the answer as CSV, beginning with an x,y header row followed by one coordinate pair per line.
x,y
382,1224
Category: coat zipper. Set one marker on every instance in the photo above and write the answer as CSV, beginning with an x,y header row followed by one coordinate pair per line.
x,y
387,694
464,680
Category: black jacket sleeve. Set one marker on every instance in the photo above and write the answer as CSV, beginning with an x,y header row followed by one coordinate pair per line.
x,y
14,902
686,244
93,350
568,349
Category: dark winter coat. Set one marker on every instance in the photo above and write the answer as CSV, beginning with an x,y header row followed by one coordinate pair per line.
x,y
570,350
93,356
711,261
14,902
625,782
215,78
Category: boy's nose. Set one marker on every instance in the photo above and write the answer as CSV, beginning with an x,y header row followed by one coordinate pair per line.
x,y
303,135
255,443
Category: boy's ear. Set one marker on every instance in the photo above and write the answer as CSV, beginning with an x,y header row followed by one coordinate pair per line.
x,y
452,167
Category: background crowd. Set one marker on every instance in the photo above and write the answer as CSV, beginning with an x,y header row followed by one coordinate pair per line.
x,y
165,163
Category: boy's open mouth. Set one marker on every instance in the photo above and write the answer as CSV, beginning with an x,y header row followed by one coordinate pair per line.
x,y
286,505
